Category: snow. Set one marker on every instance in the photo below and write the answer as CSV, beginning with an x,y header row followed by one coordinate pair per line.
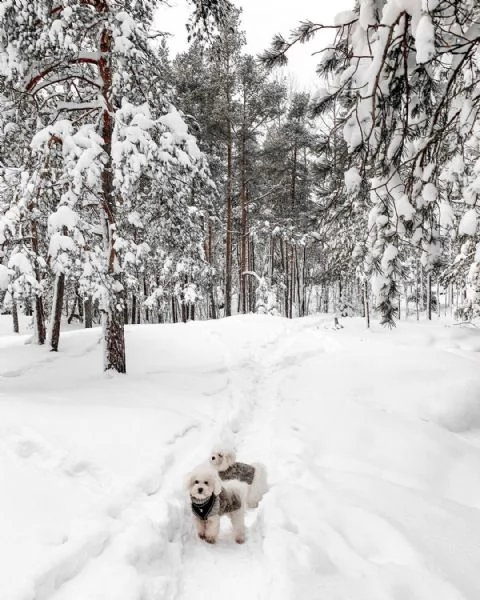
x,y
389,255
353,180
468,223
367,14
20,262
425,40
64,216
404,208
60,243
371,440
429,192
447,216
345,17
3,277
178,134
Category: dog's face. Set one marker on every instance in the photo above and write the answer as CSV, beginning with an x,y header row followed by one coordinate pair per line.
x,y
216,459
202,482
222,460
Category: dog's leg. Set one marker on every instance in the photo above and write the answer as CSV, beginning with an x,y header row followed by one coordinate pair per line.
x,y
238,525
212,527
200,525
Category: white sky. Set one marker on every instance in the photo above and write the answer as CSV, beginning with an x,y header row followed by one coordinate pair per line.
x,y
261,20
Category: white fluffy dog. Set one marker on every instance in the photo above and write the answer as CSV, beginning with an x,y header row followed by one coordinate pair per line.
x,y
254,475
211,498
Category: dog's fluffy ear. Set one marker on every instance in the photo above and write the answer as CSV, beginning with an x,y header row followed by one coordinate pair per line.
x,y
217,485
230,457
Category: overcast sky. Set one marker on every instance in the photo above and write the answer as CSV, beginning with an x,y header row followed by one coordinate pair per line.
x,y
261,20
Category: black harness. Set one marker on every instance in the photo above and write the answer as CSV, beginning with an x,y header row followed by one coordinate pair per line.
x,y
202,510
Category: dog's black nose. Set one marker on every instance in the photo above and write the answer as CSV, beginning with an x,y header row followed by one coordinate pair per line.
x,y
200,490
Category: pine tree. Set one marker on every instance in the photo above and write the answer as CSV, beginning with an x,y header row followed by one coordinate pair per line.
x,y
405,77
100,98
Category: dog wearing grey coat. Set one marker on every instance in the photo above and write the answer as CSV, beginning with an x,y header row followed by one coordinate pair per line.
x,y
211,498
254,475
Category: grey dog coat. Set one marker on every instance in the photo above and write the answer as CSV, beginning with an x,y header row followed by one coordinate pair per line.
x,y
223,503
240,471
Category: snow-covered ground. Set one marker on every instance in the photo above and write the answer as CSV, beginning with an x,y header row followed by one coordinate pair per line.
x,y
370,439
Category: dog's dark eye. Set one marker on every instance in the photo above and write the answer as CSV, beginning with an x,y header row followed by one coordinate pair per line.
x,y
196,481
220,456
205,482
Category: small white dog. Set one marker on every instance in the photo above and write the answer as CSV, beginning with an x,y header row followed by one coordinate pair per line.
x,y
211,499
254,475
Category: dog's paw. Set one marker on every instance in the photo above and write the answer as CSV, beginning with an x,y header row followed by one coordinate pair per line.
x,y
240,539
210,540
201,536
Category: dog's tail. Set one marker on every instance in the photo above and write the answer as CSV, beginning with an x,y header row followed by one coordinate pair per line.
x,y
259,485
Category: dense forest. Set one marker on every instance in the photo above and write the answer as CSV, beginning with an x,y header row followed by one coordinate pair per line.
x,y
138,187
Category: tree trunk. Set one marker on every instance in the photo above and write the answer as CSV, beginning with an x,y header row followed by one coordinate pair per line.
x,y
250,286
39,318
272,257
429,296
88,312
243,225
213,307
422,289
293,191
80,304
417,297
16,328
74,305
114,334
228,248
57,309
125,308
145,295
292,282
39,312
134,309
366,303
304,283
438,298
184,312
211,292
326,298
286,272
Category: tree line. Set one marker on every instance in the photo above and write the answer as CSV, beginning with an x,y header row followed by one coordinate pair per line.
x,y
136,187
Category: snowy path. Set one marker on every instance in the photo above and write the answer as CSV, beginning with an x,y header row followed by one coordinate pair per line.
x,y
247,578
370,443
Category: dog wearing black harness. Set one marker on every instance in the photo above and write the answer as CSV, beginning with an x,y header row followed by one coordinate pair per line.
x,y
210,499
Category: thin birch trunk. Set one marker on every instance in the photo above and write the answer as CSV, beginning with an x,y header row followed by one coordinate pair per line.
x,y
366,303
